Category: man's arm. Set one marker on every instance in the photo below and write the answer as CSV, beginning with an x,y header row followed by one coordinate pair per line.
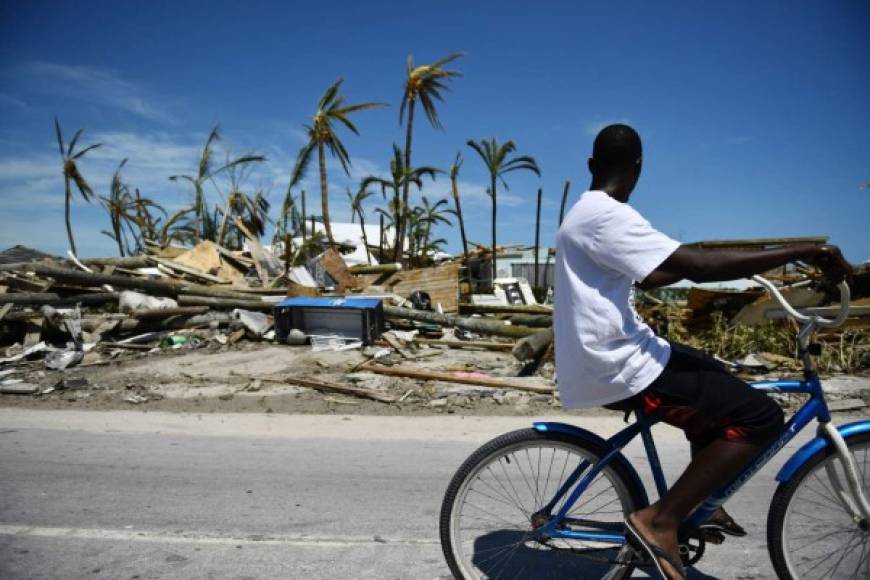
x,y
699,265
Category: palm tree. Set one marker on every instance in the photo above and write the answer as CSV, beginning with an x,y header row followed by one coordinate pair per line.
x,y
71,174
424,83
144,220
254,211
321,135
454,188
496,159
430,215
356,208
401,178
121,205
564,200
204,224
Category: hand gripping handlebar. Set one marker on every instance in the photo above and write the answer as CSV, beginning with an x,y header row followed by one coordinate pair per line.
x,y
845,296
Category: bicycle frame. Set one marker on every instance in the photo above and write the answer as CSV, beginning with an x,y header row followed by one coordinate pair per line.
x,y
814,408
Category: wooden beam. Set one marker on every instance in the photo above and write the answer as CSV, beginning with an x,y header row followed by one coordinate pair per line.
x,y
454,378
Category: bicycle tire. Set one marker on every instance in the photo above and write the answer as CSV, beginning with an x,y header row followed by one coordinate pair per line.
x,y
813,554
497,450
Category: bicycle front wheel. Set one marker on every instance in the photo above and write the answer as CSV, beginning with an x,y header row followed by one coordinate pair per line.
x,y
810,533
492,505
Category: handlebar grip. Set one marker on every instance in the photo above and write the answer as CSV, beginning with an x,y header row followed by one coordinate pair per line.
x,y
845,296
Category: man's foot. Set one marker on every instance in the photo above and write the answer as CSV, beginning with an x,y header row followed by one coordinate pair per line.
x,y
659,543
720,520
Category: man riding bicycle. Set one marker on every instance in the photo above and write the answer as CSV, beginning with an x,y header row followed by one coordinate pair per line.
x,y
607,356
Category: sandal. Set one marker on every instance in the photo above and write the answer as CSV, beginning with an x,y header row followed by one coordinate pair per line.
x,y
722,522
652,551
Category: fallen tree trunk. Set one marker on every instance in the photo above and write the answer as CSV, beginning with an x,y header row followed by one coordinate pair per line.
x,y
533,346
54,299
158,287
536,320
160,313
227,303
482,325
505,309
219,319
453,378
376,269
132,262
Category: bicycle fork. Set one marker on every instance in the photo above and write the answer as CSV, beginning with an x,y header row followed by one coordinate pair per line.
x,y
853,499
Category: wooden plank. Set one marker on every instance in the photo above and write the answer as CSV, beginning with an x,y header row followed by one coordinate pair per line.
x,y
188,270
467,344
440,282
460,378
335,266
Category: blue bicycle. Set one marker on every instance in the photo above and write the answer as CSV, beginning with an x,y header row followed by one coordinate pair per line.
x,y
528,503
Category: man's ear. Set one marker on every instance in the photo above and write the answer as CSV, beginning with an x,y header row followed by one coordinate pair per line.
x,y
590,163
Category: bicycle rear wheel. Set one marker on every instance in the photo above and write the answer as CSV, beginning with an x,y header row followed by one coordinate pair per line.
x,y
810,534
487,523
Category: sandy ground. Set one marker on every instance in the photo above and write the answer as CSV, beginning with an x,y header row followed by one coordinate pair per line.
x,y
251,378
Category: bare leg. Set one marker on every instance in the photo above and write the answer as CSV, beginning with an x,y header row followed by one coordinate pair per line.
x,y
714,464
720,517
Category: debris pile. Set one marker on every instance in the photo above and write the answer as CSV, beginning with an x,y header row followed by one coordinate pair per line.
x,y
177,326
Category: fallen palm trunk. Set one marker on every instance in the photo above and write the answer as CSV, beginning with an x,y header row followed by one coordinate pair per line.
x,y
169,312
334,388
505,309
212,319
54,299
247,304
125,262
533,346
535,320
461,378
494,327
467,344
158,287
376,269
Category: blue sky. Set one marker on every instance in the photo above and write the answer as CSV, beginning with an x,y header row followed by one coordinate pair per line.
x,y
754,115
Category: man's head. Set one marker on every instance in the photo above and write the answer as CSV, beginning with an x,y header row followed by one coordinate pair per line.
x,y
616,161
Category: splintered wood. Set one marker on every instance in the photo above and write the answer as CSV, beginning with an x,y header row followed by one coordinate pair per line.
x,y
440,282
334,265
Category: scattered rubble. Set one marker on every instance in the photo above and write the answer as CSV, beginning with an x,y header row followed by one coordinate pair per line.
x,y
210,328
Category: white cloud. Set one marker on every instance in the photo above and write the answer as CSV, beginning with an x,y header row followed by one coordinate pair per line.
x,y
95,85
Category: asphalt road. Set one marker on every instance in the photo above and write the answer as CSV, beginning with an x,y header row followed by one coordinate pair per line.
x,y
132,495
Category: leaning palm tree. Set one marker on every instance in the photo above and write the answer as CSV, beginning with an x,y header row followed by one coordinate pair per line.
x,y
424,83
454,189
71,174
204,223
331,108
401,178
356,208
496,158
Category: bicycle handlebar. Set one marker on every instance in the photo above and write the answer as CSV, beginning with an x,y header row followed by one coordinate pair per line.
x,y
845,296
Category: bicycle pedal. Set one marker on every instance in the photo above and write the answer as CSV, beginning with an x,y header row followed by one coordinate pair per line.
x,y
713,536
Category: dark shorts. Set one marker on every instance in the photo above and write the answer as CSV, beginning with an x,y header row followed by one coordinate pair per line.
x,y
700,396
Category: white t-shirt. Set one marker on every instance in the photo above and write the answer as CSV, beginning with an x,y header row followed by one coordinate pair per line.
x,y
604,351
